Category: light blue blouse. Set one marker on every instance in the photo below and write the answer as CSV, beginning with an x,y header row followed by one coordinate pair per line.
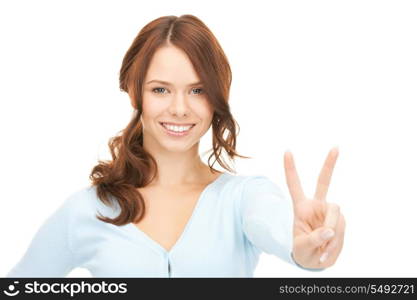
x,y
235,219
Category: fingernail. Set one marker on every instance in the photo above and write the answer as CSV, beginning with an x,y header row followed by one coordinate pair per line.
x,y
324,257
327,234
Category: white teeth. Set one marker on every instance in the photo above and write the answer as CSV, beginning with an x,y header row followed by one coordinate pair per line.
x,y
177,128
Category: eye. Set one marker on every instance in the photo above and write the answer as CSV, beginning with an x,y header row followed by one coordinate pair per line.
x,y
201,90
158,88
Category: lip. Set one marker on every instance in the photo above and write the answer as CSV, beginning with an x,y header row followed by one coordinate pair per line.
x,y
177,134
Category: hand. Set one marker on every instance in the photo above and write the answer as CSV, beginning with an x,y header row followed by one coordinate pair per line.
x,y
314,217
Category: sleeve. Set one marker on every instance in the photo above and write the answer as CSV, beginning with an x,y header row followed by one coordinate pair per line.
x,y
49,253
268,218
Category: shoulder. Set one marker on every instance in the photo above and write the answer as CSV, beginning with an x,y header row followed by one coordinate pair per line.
x,y
258,193
239,179
261,184
248,183
244,188
85,202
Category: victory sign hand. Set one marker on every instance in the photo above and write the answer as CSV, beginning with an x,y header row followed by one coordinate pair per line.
x,y
319,226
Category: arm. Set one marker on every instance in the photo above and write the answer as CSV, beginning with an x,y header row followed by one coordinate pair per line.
x,y
49,253
268,217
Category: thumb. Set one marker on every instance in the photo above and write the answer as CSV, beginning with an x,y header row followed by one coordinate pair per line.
x,y
321,235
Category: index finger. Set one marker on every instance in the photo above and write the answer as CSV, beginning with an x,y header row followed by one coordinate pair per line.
x,y
293,182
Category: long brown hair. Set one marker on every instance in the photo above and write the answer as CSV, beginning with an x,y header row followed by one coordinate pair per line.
x,y
132,166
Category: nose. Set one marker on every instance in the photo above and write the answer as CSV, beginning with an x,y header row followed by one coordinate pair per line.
x,y
179,104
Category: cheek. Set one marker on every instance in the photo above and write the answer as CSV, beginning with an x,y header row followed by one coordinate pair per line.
x,y
204,112
152,107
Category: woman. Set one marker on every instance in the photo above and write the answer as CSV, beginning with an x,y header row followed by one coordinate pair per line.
x,y
156,209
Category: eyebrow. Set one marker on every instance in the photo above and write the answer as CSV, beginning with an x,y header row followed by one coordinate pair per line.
x,y
170,84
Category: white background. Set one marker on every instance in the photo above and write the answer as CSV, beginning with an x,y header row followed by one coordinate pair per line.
x,y
307,76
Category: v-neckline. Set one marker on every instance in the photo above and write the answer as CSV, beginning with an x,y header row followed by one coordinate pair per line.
x,y
157,246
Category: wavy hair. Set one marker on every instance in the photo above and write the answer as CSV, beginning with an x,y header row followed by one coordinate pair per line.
x,y
132,166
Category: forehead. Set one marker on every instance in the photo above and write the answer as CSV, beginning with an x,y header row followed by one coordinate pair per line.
x,y
171,64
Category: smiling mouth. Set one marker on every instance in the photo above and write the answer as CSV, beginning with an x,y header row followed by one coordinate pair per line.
x,y
176,133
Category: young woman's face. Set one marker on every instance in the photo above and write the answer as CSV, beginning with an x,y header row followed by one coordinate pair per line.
x,y
179,100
